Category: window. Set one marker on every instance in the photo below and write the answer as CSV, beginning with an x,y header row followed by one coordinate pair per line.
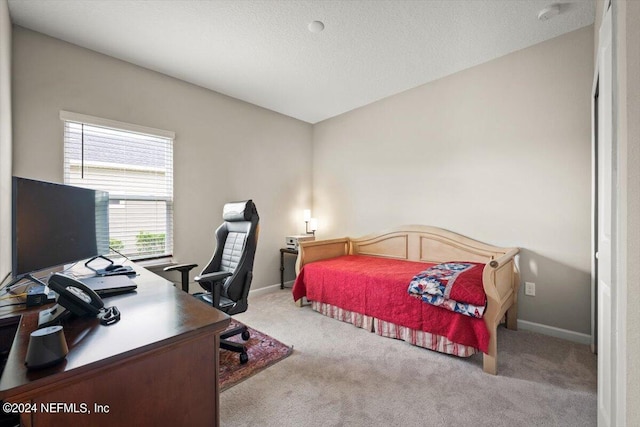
x,y
135,165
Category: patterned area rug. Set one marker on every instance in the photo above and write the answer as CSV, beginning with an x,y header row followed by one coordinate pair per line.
x,y
263,352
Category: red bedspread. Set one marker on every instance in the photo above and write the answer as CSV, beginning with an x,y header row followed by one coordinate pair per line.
x,y
377,287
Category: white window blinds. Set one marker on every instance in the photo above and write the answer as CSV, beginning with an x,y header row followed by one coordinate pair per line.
x,y
136,168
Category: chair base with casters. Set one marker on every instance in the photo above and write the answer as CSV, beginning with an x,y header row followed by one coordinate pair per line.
x,y
235,346
208,298
227,278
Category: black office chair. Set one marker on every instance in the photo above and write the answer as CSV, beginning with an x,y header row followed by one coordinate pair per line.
x,y
227,277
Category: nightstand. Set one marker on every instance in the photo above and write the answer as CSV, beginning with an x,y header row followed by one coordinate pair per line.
x,y
282,252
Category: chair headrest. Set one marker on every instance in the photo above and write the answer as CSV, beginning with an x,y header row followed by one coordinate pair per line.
x,y
239,211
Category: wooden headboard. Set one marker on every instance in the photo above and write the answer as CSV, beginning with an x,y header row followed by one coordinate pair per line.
x,y
408,242
425,244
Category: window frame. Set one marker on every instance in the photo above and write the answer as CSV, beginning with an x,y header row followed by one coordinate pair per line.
x,y
67,116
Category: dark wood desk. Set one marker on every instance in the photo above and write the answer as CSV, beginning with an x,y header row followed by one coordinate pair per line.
x,y
157,366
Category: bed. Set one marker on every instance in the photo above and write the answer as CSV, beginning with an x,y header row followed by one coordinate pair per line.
x,y
364,281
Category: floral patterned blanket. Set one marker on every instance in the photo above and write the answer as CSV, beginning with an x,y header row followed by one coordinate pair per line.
x,y
455,286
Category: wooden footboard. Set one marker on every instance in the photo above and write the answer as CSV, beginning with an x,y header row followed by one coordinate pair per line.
x,y
501,283
435,245
321,249
317,250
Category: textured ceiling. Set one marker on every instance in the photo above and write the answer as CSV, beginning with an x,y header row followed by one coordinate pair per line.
x,y
263,53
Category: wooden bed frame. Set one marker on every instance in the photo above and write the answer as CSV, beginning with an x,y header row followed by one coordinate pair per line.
x,y
435,245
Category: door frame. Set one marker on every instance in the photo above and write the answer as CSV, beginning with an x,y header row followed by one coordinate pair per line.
x,y
618,347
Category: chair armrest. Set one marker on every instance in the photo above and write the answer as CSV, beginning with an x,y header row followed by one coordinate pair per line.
x,y
181,267
213,277
184,269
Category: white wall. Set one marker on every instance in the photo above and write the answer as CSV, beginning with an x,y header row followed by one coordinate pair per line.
x,y
224,150
5,140
500,152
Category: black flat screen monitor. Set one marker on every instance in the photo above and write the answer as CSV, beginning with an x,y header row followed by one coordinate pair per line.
x,y
55,224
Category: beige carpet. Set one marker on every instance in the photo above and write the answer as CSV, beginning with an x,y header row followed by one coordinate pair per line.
x,y
339,375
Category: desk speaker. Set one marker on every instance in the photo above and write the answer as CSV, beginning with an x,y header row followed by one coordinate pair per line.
x,y
47,347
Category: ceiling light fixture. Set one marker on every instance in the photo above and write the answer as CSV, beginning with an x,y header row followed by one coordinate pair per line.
x,y
549,12
316,26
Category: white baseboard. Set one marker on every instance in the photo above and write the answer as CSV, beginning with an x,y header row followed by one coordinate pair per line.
x,y
270,288
194,287
564,334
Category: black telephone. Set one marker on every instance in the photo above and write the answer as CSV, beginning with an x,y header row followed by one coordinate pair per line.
x,y
74,297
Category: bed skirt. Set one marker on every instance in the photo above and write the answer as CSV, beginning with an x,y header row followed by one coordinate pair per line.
x,y
423,339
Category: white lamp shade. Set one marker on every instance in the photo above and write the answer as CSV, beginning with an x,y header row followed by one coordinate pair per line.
x,y
307,215
313,224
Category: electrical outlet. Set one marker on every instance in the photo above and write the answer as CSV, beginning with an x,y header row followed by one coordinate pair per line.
x,y
530,289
